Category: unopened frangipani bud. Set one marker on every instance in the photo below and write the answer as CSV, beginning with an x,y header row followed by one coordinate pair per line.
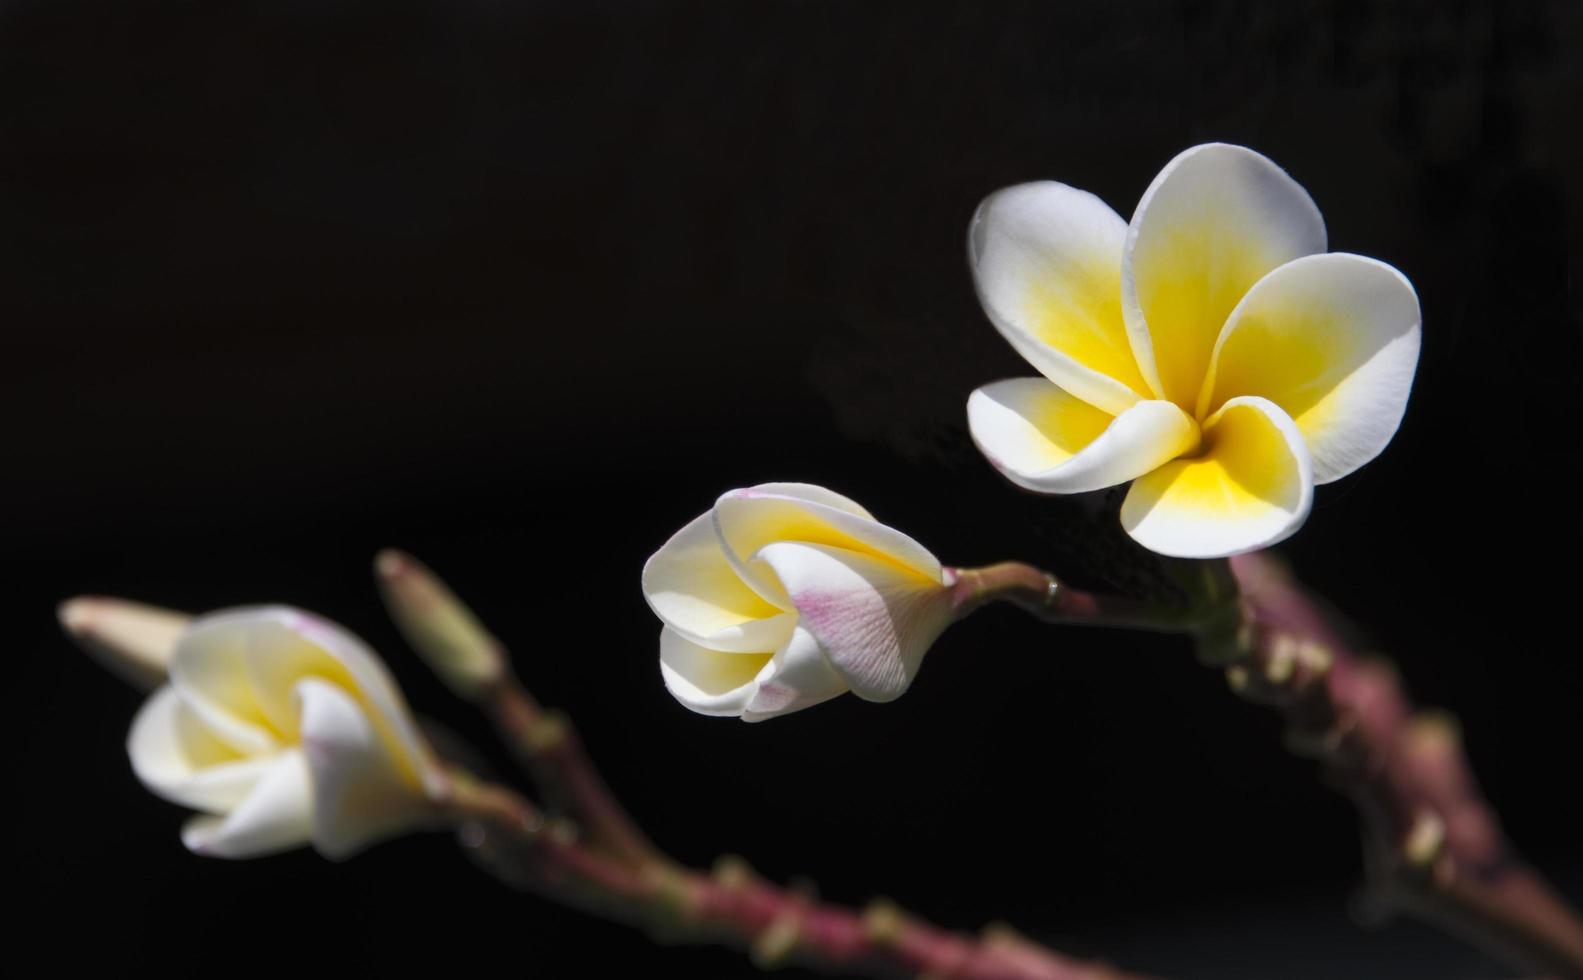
x,y
787,594
282,729
439,626
134,640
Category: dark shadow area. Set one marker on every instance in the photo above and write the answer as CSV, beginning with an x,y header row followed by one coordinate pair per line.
x,y
521,288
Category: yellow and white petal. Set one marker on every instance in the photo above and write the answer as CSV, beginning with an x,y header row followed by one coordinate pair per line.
x,y
1045,440
1333,339
799,676
696,591
276,816
710,682
282,645
363,792
175,756
1046,259
815,494
209,670
873,620
1251,486
747,520
1214,221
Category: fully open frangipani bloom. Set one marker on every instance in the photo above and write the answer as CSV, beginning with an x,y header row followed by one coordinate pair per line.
x,y
787,594
282,729
1210,351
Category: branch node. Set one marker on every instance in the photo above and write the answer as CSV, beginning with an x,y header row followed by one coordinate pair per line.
x,y
1425,839
774,945
1316,658
732,872
1281,662
546,733
882,922
561,831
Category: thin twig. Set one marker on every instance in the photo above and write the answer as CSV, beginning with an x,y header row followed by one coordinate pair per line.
x,y
475,665
732,906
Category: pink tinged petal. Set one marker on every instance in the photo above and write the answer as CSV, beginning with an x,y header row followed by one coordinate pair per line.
x,y
696,591
1045,440
1046,259
276,816
176,757
813,494
363,792
873,620
798,676
1214,222
710,682
747,520
1333,339
1251,486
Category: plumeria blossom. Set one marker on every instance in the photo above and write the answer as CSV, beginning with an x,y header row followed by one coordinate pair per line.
x,y
1210,351
282,729
784,595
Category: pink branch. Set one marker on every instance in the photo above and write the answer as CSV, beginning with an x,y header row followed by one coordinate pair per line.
x,y
1434,845
733,907
1437,850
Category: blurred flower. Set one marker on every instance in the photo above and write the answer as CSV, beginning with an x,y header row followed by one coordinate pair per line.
x,y
282,729
1211,351
785,595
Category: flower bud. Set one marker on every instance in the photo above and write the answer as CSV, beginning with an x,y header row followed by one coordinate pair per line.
x,y
438,625
785,595
134,640
282,729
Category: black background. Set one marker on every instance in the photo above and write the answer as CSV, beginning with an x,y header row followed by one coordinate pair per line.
x,y
522,286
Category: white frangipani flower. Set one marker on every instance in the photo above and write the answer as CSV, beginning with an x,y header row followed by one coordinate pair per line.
x,y
785,595
282,729
1210,351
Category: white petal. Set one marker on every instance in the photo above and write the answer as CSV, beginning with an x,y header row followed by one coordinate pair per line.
x,y
1214,221
710,682
799,676
275,816
176,757
1045,440
260,652
696,591
747,520
1251,487
874,620
1047,262
815,494
1333,339
209,670
363,792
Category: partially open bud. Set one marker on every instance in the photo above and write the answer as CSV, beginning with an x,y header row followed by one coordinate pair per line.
x,y
134,640
282,729
438,625
785,595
